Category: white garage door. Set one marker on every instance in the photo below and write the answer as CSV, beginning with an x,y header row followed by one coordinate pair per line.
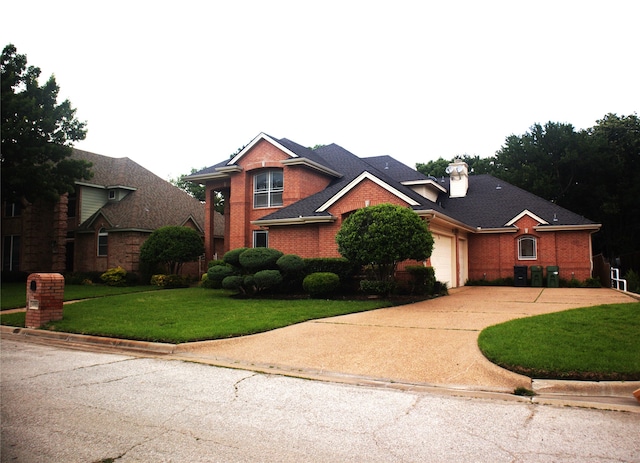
x,y
441,259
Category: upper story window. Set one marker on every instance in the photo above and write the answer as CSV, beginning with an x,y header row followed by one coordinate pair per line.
x,y
527,248
267,189
103,239
112,194
13,210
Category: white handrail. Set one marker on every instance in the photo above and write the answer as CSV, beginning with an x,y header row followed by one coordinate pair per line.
x,y
616,280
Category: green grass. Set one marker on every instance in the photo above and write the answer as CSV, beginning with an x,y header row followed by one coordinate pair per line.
x,y
192,314
594,343
14,294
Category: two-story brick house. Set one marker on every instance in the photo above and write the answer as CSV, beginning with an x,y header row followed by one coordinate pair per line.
x,y
282,195
102,224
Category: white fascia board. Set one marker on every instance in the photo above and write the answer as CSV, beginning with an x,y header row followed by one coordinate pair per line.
x,y
296,220
522,214
313,165
261,136
374,179
432,215
496,230
425,182
552,228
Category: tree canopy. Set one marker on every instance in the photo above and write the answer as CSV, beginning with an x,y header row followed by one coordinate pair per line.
x,y
593,172
37,134
172,246
382,236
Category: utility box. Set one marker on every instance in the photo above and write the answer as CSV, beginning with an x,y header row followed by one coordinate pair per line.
x,y
520,275
536,276
553,276
45,297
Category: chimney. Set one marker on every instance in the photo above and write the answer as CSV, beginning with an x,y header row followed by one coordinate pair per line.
x,y
458,172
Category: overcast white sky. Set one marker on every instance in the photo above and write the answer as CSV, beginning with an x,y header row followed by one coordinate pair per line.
x,y
181,84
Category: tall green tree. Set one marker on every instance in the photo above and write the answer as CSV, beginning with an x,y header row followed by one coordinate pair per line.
x,y
611,187
196,190
543,161
382,236
37,134
477,165
172,246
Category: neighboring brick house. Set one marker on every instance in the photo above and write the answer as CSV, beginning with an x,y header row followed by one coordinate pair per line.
x,y
102,224
285,196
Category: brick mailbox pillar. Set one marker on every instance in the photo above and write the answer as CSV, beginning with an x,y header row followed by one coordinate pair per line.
x,y
45,296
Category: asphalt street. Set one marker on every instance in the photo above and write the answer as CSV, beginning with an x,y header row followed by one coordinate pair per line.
x,y
68,405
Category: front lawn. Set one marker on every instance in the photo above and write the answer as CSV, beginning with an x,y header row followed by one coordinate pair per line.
x,y
190,314
594,343
14,295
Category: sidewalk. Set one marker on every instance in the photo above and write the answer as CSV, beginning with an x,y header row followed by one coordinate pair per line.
x,y
429,344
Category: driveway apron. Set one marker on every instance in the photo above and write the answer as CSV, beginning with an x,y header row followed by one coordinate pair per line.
x,y
432,342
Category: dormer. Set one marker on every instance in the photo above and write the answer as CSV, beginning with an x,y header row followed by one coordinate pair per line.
x,y
429,188
458,172
118,192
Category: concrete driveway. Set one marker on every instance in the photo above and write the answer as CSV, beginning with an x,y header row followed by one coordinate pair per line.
x,y
428,343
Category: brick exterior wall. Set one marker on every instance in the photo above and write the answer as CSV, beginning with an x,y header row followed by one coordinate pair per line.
x,y
318,240
493,256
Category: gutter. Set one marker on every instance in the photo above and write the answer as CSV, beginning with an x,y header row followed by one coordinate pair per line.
x,y
295,220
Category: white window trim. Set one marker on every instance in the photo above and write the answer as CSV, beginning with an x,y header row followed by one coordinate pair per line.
x,y
535,247
269,191
102,233
256,233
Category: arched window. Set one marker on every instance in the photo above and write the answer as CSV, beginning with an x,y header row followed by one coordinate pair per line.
x,y
527,248
267,189
103,237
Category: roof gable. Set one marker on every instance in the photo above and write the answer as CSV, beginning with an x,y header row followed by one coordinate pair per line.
x,y
151,203
523,214
366,175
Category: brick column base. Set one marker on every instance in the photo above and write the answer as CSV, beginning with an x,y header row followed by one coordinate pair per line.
x,y
45,297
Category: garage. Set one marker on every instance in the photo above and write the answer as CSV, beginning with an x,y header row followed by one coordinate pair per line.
x,y
442,258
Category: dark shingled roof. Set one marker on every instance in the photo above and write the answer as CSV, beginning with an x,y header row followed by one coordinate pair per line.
x,y
492,203
154,203
489,203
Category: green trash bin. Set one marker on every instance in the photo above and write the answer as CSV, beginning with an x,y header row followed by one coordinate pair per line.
x,y
553,276
536,276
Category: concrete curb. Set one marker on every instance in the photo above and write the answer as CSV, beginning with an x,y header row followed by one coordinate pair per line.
x,y
99,341
605,395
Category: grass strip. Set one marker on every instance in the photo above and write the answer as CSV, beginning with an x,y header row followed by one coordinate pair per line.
x,y
190,314
594,343
14,295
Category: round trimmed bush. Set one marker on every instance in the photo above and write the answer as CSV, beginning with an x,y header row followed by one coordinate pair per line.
x,y
233,283
290,264
232,257
265,279
321,284
256,259
216,274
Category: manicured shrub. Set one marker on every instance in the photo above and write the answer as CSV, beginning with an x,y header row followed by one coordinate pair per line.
x,y
213,263
377,287
267,279
170,281
321,284
338,265
232,257
114,276
290,264
423,279
233,283
216,274
256,259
